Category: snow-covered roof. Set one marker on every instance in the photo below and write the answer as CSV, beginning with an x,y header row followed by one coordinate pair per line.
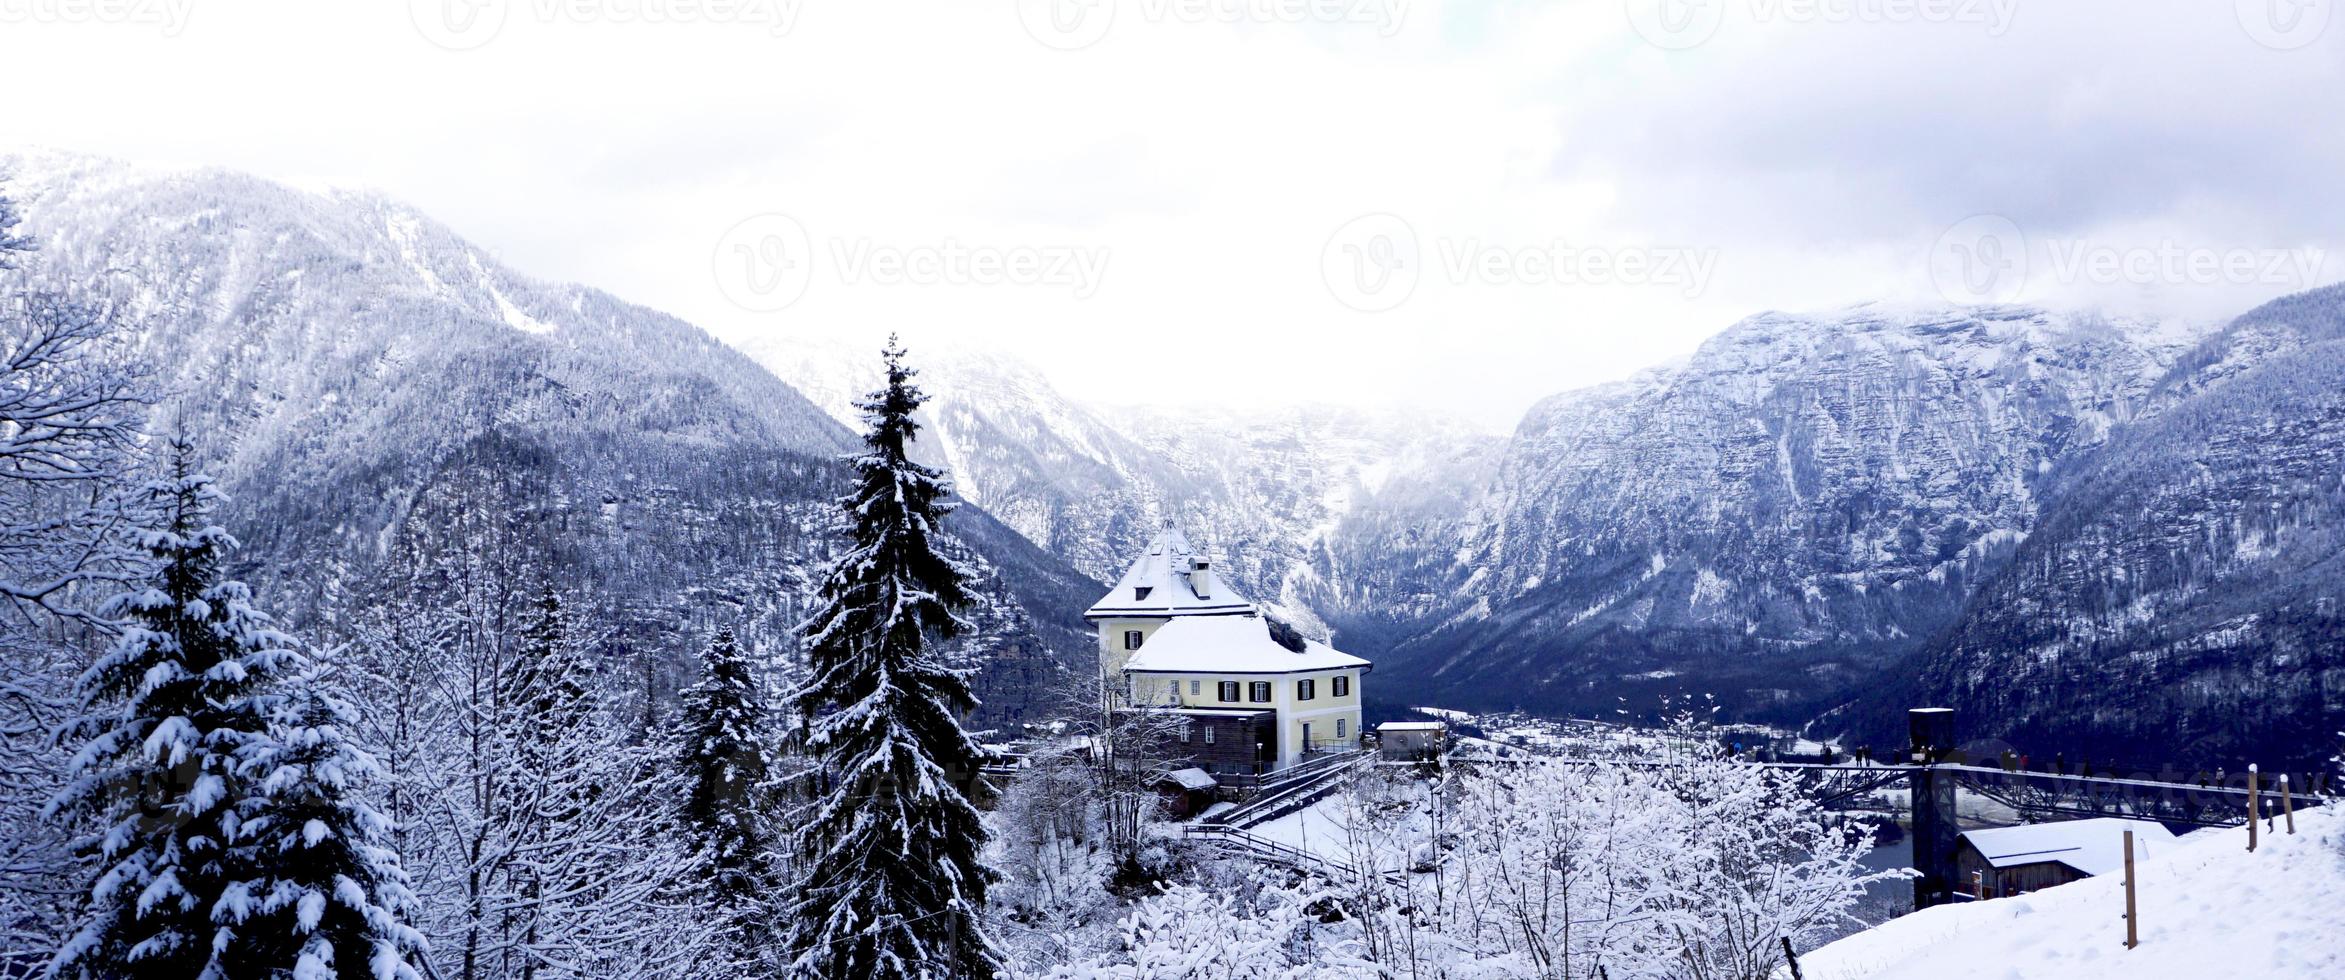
x,y
1411,726
1191,779
1164,583
2095,846
1230,645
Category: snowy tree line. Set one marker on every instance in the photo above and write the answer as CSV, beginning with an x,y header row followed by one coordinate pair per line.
x,y
459,786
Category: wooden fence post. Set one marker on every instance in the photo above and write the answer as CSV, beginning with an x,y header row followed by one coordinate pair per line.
x,y
2288,804
2132,917
2255,809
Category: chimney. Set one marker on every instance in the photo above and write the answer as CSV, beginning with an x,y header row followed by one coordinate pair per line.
x,y
1201,577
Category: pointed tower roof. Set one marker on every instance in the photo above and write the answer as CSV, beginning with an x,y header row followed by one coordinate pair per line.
x,y
1170,580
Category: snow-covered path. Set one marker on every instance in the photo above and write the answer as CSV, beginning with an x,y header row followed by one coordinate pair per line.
x,y
2208,909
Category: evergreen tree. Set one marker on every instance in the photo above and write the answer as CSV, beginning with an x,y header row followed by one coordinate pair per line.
x,y
327,897
894,884
198,793
168,709
721,753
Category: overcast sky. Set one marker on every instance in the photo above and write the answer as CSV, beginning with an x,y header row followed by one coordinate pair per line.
x,y
1461,206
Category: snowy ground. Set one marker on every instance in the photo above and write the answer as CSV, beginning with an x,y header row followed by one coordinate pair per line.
x,y
2208,909
1322,827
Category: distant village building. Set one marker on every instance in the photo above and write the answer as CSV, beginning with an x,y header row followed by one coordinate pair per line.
x,y
1255,695
2010,861
1411,739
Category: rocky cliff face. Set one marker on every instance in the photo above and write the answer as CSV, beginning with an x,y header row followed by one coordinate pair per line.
x,y
1804,500
2183,597
1327,513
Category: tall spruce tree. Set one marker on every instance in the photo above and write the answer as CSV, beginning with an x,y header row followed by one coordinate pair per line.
x,y
195,789
894,886
327,897
721,753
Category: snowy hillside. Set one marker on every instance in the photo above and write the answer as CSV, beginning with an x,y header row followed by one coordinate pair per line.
x,y
2208,909
377,394
2187,576
1804,499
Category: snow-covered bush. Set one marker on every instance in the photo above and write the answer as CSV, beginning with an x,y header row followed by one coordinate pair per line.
x,y
1190,931
1698,868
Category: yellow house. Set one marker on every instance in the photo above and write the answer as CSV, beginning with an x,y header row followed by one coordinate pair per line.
x,y
1183,641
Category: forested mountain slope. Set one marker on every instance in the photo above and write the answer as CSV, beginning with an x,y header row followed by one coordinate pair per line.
x,y
380,397
2184,595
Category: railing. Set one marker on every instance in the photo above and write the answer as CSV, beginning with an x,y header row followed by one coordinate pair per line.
x,y
1292,789
1256,847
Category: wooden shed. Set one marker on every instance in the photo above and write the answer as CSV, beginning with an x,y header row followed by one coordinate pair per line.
x,y
2009,861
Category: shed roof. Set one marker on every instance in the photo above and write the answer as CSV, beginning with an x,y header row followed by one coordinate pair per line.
x,y
2095,846
1411,726
1191,779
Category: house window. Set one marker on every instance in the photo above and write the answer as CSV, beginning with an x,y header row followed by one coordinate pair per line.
x,y
1209,734
1343,684
1185,731
1303,690
1258,692
1339,728
1229,691
1196,688
1140,592
1131,639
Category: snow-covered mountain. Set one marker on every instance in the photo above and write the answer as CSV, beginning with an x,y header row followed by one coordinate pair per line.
x,y
2183,596
377,395
1313,509
1805,499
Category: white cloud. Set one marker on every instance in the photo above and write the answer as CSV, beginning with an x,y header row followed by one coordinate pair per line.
x,y
1816,152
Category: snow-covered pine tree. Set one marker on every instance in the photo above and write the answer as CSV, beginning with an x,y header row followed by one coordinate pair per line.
x,y
327,899
894,885
168,712
721,753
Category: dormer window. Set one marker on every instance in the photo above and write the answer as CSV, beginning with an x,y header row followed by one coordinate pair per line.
x,y
1140,592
